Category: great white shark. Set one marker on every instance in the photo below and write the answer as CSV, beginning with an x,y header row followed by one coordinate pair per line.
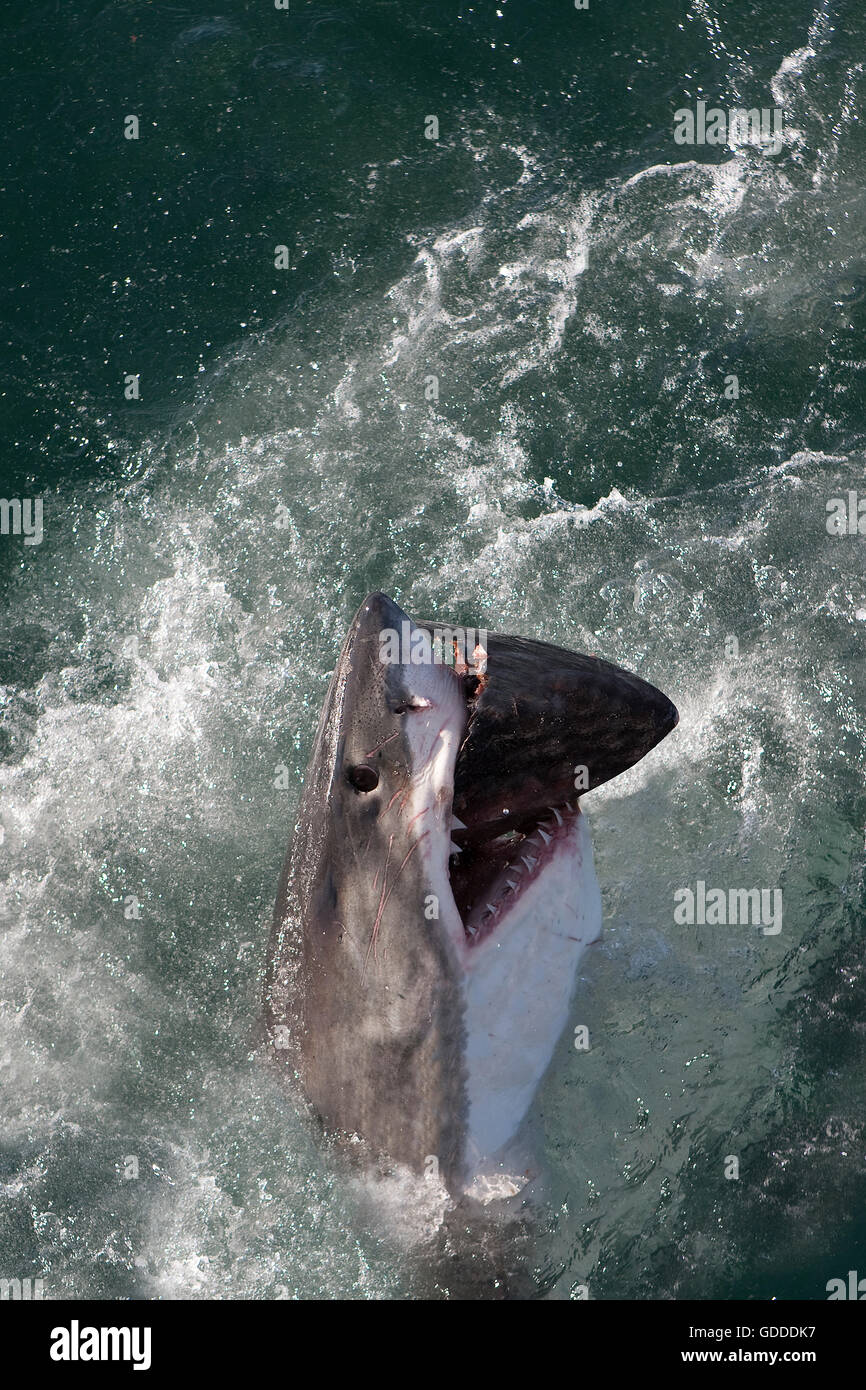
x,y
439,890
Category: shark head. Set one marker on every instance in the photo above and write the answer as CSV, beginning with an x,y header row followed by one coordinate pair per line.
x,y
439,891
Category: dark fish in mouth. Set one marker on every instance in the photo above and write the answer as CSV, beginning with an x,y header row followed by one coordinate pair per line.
x,y
439,891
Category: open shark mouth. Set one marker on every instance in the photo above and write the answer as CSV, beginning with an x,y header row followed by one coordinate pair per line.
x,y
499,850
492,868
542,725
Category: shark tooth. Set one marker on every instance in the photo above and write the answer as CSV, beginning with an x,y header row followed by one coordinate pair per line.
x,y
456,849
529,861
546,838
559,819
456,823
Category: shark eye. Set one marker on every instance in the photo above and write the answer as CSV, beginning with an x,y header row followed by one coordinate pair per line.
x,y
362,778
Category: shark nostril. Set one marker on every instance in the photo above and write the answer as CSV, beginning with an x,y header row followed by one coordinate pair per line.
x,y
362,778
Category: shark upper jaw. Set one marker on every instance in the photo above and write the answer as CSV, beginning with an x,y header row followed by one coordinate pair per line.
x,y
492,791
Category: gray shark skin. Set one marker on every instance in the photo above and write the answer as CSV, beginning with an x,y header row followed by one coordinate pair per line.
x,y
439,890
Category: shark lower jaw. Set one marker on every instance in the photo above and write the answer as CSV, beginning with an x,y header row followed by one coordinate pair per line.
x,y
493,865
